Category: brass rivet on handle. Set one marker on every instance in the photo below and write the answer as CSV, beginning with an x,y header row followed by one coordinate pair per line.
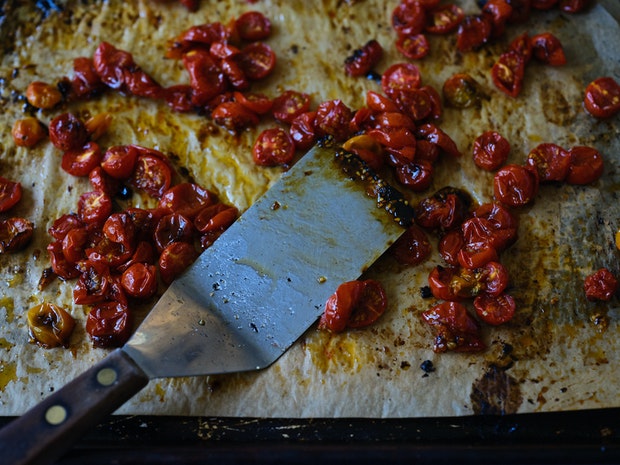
x,y
106,376
56,414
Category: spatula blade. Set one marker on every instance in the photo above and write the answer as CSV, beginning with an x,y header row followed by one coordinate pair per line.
x,y
260,286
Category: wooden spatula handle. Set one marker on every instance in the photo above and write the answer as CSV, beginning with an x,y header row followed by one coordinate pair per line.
x,y
49,429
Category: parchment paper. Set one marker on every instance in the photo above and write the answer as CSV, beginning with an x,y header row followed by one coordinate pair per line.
x,y
559,353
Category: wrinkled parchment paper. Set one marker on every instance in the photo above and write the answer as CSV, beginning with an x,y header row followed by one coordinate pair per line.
x,y
559,353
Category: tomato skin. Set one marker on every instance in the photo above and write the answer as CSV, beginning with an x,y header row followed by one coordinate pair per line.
x,y
50,325
74,244
273,147
63,224
333,118
508,72
15,234
67,132
600,285
495,309
28,132
515,185
60,266
449,246
206,78
10,194
551,162
94,207
152,175
355,304
490,150
412,248
253,25
109,324
363,59
80,162
140,280
179,97
586,165
289,105
455,329
473,32
174,259
446,209
303,131
602,98
499,227
86,82
548,49
110,63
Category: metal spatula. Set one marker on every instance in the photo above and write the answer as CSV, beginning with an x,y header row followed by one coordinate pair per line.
x,y
243,303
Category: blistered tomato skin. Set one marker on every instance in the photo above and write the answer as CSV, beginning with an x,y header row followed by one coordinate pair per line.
x,y
67,132
515,185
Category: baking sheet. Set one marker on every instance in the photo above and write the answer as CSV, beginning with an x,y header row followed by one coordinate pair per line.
x,y
555,355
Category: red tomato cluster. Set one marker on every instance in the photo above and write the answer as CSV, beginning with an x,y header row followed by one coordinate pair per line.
x,y
602,98
15,232
508,71
115,254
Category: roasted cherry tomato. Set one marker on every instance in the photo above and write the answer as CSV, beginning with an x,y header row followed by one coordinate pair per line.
x,y
175,259
255,102
257,60
80,162
186,199
444,19
490,150
10,194
74,244
548,49
216,217
67,132
412,248
172,228
289,105
94,207
544,4
152,175
602,98
507,73
120,228
367,148
109,324
473,256
523,46
416,175
42,95
586,165
302,130
86,82
473,32
50,325
102,181
119,161
452,284
409,19
93,285
60,266
414,47
501,226
333,118
499,12
363,59
234,116
550,161
600,285
454,328
434,134
461,91
15,234
179,97
205,76
515,185
449,246
273,147
399,77
27,132
253,25
495,309
494,278
444,210
380,103
575,6
111,65
140,280
521,10
355,304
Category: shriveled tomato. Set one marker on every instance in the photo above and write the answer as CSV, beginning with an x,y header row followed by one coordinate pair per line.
x,y
94,207
508,72
152,175
448,283
74,244
205,76
444,19
416,103
187,199
551,161
257,60
600,285
523,46
414,47
67,132
111,64
289,105
454,328
63,224
253,25
119,161
50,325
412,248
498,11
515,185
93,285
473,255
333,118
234,116
175,259
586,165
495,309
10,194
493,277
60,266
42,95
80,162
273,147
446,209
215,218
416,175
109,253
399,77
303,131
449,246
234,73
120,228
15,234
380,103
355,304
363,59
28,132
548,49
172,228
500,226
461,91
179,97
434,134
257,103
85,82
102,181
140,280
602,98
367,148
490,150
109,324
409,19
521,10
473,32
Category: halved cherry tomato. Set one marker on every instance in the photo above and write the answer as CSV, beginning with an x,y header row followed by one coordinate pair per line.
x,y
109,324
235,75
42,95
140,280
551,161
80,162
508,71
50,325
152,175
289,105
333,118
215,218
93,285
186,199
15,234
172,228
234,116
111,64
414,47
586,165
367,148
175,259
494,278
515,185
94,207
257,60
499,12
303,131
256,103
399,77
449,283
409,19
474,256
253,25
179,97
67,132
523,46
74,244
454,328
461,91
206,77
602,98
108,253
27,132
355,304
548,49
490,150
102,181
10,194
59,228
417,175
119,161
363,59
120,228
444,19
273,147
60,266
416,103
380,103
446,209
473,32
412,248
439,137
500,226
495,309
600,285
